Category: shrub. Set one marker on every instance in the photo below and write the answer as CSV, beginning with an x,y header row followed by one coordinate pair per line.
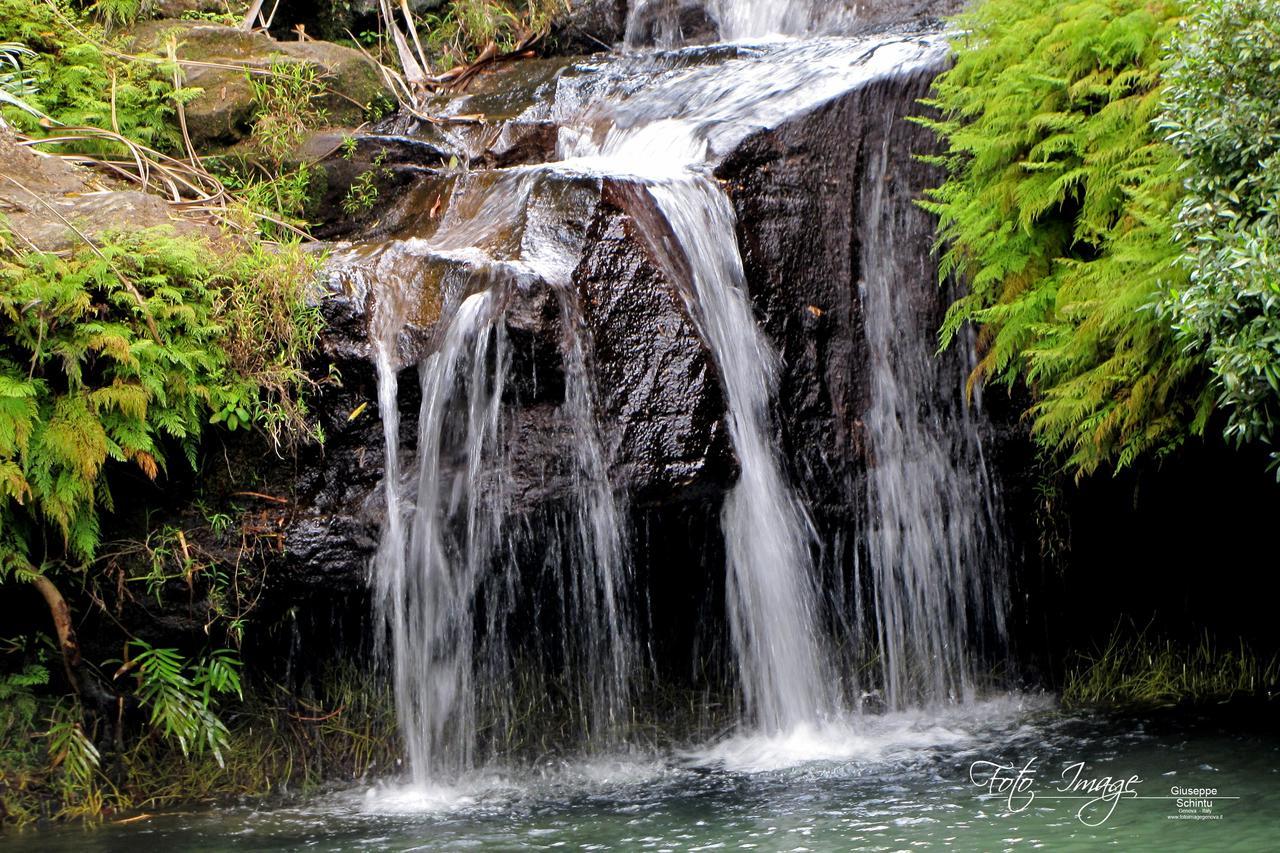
x,y
78,78
127,350
1222,114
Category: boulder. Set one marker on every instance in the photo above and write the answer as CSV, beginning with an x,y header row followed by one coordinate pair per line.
x,y
220,59
589,26
55,205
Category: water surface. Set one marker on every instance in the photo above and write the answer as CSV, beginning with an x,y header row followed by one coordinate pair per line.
x,y
884,783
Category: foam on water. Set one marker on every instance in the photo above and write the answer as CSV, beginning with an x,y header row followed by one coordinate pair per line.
x,y
865,739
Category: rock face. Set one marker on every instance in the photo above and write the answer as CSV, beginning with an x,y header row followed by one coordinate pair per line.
x,y
657,388
590,25
55,205
223,57
796,188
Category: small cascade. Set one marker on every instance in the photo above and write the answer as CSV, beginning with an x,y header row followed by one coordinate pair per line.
x,y
932,520
771,595
736,20
448,574
490,609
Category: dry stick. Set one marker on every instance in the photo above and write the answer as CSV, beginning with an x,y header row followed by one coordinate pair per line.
x,y
255,9
172,49
394,80
142,303
413,72
210,199
271,498
413,31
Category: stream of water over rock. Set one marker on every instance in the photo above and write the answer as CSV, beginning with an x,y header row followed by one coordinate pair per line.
x,y
455,563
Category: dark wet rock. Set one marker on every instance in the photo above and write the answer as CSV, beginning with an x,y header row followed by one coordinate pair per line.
x,y
367,181
520,142
798,190
589,26
658,392
674,22
502,90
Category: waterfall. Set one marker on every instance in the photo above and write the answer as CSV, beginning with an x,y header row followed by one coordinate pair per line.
x,y
461,578
771,594
932,521
736,20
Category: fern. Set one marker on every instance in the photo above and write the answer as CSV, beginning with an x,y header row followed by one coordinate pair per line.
x,y
182,706
1058,210
79,81
90,376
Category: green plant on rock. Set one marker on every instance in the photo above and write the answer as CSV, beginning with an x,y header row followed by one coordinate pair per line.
x,y
285,106
1137,670
1057,211
1222,114
363,193
120,13
74,760
15,86
466,28
123,353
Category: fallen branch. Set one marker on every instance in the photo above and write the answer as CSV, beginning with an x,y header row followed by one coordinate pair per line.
x,y
62,626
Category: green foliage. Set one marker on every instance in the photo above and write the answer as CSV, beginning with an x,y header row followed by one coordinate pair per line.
x,y
19,712
73,757
116,13
285,102
363,193
1057,211
120,352
15,85
1222,114
1138,671
182,697
79,78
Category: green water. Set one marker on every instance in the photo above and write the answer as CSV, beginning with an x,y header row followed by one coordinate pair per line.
x,y
889,783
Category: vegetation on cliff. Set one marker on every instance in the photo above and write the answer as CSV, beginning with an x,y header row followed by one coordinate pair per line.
x,y
119,353
1106,201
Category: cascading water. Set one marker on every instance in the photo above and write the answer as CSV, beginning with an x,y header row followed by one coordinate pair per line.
x,y
450,549
932,519
745,19
772,600
453,567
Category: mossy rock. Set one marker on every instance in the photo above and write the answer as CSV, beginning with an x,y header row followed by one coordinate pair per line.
x,y
220,59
